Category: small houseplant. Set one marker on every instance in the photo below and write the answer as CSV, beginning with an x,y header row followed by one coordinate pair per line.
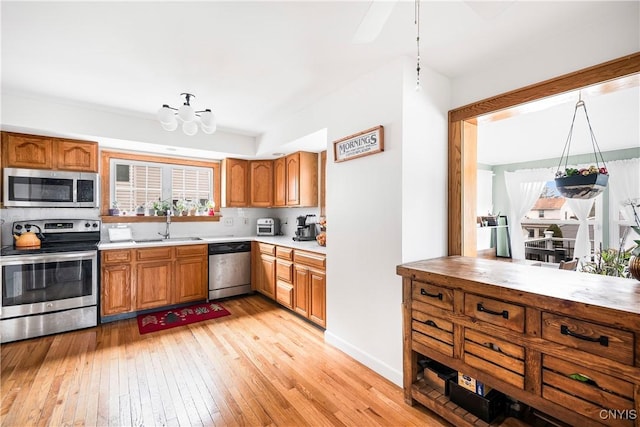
x,y
114,211
161,207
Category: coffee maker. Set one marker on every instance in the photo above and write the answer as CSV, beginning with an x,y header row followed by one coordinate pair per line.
x,y
305,231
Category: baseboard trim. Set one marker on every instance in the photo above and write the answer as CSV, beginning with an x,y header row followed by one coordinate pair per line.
x,y
365,358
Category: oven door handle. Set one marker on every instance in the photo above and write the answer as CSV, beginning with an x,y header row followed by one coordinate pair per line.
x,y
48,257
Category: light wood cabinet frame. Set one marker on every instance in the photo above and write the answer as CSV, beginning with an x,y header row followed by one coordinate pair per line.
x,y
462,141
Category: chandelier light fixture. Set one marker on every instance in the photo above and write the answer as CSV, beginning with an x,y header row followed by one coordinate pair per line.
x,y
170,117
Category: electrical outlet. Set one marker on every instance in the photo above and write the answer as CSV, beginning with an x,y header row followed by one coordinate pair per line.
x,y
245,221
228,222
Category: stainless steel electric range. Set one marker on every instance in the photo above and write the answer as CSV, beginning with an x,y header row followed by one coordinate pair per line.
x,y
53,288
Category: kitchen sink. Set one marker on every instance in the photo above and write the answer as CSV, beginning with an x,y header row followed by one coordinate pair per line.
x,y
171,239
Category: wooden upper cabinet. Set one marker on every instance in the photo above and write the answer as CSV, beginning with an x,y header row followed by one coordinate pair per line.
x,y
261,183
41,152
77,156
280,182
27,151
302,179
236,183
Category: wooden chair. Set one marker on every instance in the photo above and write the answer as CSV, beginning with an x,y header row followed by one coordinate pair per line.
x,y
569,265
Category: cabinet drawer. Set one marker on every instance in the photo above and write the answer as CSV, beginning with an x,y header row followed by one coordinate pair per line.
x,y
284,293
191,250
309,258
499,358
284,253
496,312
433,331
154,253
114,257
590,337
600,392
267,249
284,270
433,294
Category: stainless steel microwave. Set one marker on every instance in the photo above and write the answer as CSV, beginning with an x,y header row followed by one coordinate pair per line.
x,y
50,189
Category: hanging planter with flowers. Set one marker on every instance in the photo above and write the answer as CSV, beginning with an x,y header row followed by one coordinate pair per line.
x,y
583,183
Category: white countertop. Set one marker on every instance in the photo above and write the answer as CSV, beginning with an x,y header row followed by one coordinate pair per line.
x,y
312,246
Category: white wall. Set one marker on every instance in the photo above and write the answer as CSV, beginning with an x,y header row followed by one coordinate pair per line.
x,y
382,209
122,130
617,34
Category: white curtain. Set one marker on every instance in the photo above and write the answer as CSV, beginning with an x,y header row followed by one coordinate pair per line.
x,y
624,186
581,207
523,188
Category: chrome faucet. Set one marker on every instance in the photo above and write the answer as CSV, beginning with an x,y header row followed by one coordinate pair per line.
x,y
167,234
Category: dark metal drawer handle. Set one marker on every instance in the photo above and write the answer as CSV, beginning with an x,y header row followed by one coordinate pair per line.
x,y
503,313
431,323
603,339
427,294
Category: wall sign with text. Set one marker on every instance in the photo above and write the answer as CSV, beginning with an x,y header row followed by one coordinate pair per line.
x,y
361,144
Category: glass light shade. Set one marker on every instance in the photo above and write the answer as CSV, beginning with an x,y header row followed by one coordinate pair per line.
x,y
171,126
207,118
166,115
186,113
190,128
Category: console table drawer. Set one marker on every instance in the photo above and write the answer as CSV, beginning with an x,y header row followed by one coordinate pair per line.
x,y
499,358
496,312
596,339
593,397
433,294
433,330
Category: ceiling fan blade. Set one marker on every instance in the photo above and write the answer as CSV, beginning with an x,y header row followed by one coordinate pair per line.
x,y
373,21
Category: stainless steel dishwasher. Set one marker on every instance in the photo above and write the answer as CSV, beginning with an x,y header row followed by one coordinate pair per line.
x,y
229,269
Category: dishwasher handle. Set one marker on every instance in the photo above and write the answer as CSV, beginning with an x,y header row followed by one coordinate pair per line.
x,y
229,248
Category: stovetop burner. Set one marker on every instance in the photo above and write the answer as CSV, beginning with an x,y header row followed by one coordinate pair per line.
x,y
66,235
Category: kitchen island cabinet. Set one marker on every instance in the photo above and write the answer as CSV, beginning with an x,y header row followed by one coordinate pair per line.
x,y
140,279
525,331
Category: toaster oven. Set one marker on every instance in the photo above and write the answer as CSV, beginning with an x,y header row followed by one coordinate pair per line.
x,y
268,227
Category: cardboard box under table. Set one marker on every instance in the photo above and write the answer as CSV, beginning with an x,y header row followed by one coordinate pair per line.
x,y
438,375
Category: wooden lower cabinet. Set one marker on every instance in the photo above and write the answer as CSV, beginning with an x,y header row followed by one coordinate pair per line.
x,y
141,279
115,289
554,340
153,284
296,279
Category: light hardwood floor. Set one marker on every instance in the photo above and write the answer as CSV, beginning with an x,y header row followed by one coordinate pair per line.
x,y
262,365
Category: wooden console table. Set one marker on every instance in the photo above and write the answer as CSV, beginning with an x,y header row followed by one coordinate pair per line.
x,y
524,330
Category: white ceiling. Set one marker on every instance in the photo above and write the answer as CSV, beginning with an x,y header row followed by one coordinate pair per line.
x,y
254,63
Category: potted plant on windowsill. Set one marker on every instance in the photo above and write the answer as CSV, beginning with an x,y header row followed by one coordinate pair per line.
x,y
161,207
114,211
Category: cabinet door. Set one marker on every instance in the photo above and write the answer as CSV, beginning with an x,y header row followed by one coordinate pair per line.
x,y
190,280
317,291
301,290
307,179
76,156
268,279
284,293
115,289
27,151
323,183
293,179
279,182
236,182
261,183
153,284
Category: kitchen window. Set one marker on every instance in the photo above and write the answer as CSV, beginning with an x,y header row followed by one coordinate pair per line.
x,y
139,180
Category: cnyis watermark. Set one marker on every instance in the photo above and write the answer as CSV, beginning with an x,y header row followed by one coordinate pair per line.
x,y
618,414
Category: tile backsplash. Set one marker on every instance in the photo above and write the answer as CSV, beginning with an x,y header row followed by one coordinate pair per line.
x,y
234,222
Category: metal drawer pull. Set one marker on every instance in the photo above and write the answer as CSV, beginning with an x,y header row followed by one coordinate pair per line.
x,y
503,313
427,294
603,339
431,323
